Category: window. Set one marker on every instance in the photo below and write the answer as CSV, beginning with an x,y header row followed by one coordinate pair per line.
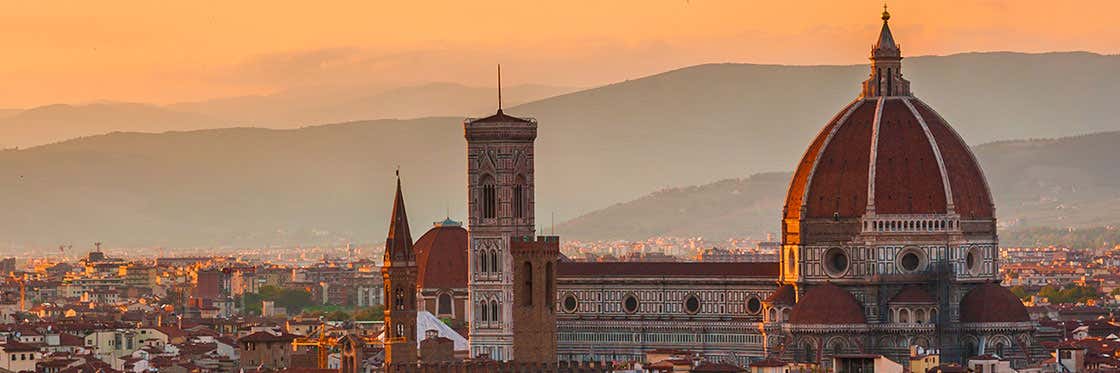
x,y
482,262
495,312
754,305
398,299
489,197
443,306
484,311
836,262
630,303
692,304
520,198
904,316
910,261
527,281
495,265
570,303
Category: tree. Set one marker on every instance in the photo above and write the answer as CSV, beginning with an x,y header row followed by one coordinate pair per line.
x,y
338,316
370,314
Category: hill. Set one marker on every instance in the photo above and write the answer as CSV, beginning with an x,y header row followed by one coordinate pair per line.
x,y
331,105
596,147
51,123
1066,182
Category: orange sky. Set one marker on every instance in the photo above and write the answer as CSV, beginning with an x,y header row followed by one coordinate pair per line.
x,y
165,51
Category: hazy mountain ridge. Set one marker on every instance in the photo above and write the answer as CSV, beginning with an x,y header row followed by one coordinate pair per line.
x,y
59,122
1065,182
595,148
330,105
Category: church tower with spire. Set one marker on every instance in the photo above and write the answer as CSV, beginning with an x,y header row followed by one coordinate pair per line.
x,y
500,190
399,274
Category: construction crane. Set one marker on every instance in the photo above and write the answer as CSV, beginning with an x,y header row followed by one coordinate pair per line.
x,y
323,344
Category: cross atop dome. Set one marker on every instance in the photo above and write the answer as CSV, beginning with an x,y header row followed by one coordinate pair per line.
x,y
886,65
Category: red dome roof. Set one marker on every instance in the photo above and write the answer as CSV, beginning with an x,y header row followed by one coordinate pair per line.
x,y
991,302
894,154
783,296
441,258
827,304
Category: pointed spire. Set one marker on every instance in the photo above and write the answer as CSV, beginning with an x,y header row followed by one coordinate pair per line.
x,y
885,46
499,88
398,245
886,65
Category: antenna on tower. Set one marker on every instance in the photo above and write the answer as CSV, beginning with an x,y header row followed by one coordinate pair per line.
x,y
499,88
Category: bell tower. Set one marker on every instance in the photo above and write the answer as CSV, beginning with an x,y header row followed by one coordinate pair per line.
x,y
399,274
500,208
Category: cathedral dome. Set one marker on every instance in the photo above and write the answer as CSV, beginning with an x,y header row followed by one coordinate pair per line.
x,y
827,304
886,153
990,302
441,257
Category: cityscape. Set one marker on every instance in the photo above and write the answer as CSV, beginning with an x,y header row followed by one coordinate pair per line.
x,y
895,245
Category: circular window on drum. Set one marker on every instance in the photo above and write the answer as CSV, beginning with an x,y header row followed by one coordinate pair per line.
x,y
570,303
630,303
973,260
911,260
692,304
754,305
836,262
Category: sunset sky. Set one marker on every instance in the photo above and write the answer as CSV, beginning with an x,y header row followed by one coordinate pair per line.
x,y
171,51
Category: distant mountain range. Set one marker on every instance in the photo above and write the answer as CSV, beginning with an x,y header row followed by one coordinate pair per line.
x,y
321,105
53,123
597,147
1066,182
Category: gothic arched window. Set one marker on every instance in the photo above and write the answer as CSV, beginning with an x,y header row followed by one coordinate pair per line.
x,y
520,197
527,282
495,265
481,260
398,299
484,312
495,312
489,197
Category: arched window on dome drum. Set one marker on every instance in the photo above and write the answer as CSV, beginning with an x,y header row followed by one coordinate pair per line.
x,y
933,315
773,315
785,315
904,316
919,316
444,304
527,287
489,197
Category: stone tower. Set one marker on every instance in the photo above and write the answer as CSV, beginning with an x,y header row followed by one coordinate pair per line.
x,y
534,298
399,274
500,204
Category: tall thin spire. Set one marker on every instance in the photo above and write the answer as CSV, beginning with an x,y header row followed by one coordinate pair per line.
x,y
499,88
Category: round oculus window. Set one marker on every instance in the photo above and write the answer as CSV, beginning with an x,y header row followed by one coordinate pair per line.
x,y
570,303
910,261
692,304
972,261
630,303
836,261
754,305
